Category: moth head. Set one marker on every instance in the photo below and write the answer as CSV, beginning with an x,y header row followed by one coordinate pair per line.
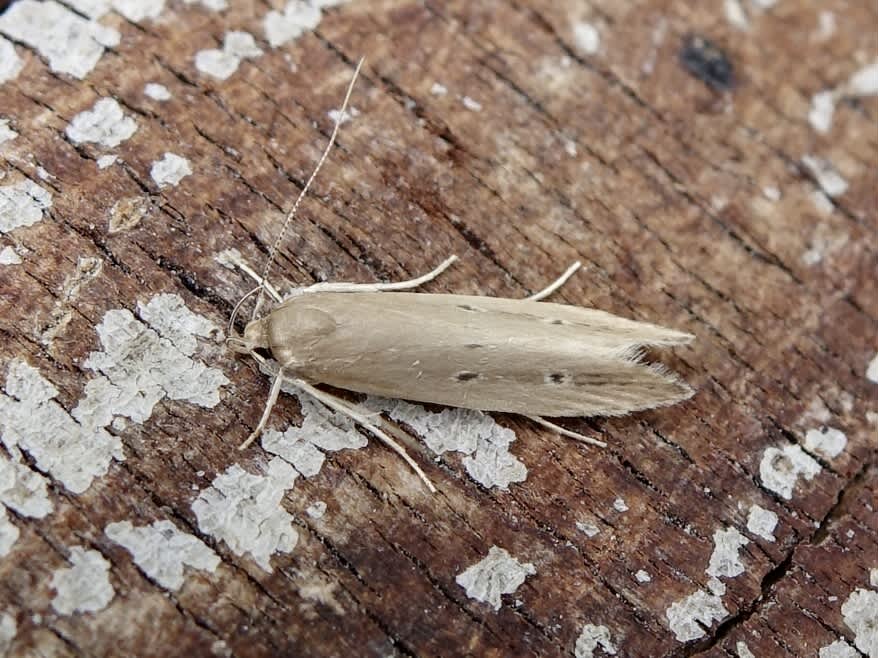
x,y
254,338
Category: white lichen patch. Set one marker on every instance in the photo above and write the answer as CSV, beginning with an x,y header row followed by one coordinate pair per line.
x,y
762,522
471,104
822,110
213,5
771,192
743,650
138,10
725,561
321,431
8,256
316,510
493,465
221,64
23,489
824,241
10,62
8,630
91,8
642,576
105,124
829,180
592,637
826,441
587,38
873,577
141,364
168,314
860,614
244,511
297,18
72,44
30,418
8,533
736,15
22,204
620,505
438,89
826,25
872,370
692,616
7,134
216,63
339,117
170,170
241,45
156,91
822,203
781,468
864,82
84,586
475,434
161,550
106,161
838,649
497,574
689,617
588,528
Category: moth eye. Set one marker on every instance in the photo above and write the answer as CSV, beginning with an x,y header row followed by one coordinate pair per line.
x,y
556,378
466,376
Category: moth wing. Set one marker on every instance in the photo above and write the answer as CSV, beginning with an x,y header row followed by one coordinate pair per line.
x,y
599,327
485,353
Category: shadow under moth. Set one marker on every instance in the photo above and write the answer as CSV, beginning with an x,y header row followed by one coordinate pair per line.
x,y
521,356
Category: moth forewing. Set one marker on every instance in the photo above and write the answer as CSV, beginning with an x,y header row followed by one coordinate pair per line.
x,y
518,356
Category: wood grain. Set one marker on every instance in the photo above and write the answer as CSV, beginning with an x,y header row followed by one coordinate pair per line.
x,y
689,206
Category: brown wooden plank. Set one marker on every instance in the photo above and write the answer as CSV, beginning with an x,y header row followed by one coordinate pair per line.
x,y
506,133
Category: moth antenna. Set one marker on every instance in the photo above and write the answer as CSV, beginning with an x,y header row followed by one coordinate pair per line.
x,y
237,308
292,212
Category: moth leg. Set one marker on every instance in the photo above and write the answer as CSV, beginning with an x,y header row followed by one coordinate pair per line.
x,y
337,404
563,431
378,287
552,287
269,405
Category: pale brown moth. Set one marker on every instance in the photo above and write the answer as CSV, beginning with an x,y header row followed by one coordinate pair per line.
x,y
521,356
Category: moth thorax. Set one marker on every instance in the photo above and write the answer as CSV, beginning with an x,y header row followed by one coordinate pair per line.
x,y
254,336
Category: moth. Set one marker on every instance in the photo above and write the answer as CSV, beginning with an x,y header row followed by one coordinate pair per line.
x,y
521,356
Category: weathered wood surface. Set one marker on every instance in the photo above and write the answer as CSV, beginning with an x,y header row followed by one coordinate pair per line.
x,y
691,205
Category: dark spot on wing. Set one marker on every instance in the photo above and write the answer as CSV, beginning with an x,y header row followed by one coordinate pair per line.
x,y
706,61
473,346
466,376
558,322
467,307
557,378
